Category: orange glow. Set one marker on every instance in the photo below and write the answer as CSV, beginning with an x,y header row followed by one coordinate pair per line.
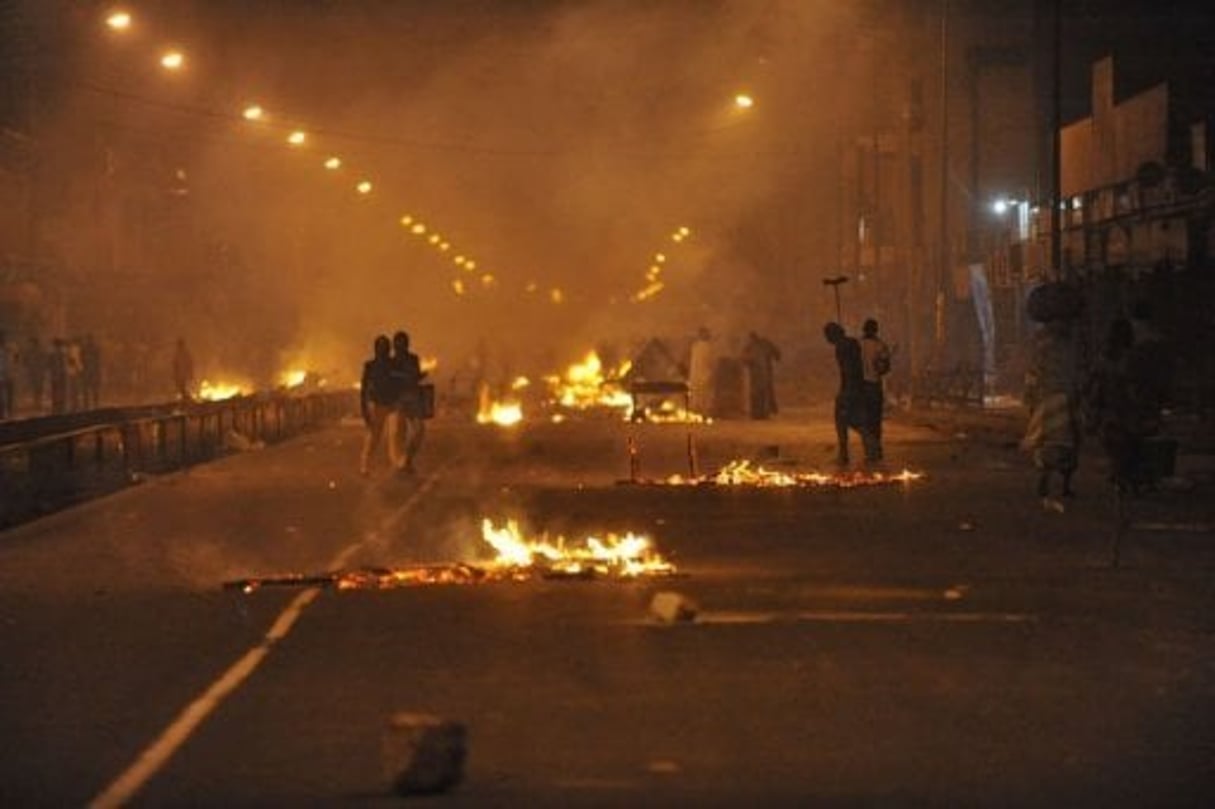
x,y
364,187
586,385
297,138
623,556
253,112
219,391
173,60
333,163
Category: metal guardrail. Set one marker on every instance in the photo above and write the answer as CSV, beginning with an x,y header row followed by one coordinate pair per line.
x,y
52,472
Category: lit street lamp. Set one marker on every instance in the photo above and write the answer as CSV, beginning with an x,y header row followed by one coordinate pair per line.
x,y
173,60
118,21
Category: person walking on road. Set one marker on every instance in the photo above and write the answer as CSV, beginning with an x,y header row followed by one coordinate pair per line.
x,y
379,397
875,364
850,411
412,411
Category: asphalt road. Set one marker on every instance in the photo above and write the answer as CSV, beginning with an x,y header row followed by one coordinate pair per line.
x,y
942,642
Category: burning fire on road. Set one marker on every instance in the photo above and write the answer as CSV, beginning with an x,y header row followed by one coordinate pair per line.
x,y
747,473
517,558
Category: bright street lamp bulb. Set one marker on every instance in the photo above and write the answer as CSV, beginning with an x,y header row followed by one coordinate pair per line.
x,y
253,112
744,101
333,163
364,187
297,138
1000,207
119,21
406,221
418,229
173,60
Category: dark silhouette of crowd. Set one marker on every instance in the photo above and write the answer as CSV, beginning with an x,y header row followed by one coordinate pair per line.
x,y
64,376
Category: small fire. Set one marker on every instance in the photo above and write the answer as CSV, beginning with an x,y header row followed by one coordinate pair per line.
x,y
745,473
506,413
586,385
219,391
428,364
667,412
517,558
292,379
611,555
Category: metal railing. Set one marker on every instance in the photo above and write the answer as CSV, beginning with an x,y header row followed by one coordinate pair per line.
x,y
52,472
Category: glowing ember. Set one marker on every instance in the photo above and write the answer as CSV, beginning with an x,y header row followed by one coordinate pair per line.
x,y
586,385
744,473
667,412
219,391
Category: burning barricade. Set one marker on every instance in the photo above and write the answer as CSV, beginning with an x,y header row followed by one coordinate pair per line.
x,y
516,558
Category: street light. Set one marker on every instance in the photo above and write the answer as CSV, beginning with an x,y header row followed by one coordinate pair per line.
x,y
253,112
173,60
744,101
297,138
118,21
364,187
333,163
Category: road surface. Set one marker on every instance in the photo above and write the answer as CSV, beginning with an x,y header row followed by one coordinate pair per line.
x,y
946,641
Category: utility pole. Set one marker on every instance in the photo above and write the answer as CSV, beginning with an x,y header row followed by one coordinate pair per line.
x,y
943,268
1056,134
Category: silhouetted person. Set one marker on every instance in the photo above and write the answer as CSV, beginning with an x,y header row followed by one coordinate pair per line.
x,y
850,410
701,361
90,373
379,398
34,359
183,371
8,374
74,363
58,374
875,364
760,356
411,425
1124,403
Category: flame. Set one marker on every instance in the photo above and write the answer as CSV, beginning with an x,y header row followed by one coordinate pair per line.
x,y
745,473
219,391
428,364
611,555
516,558
292,379
506,413
586,385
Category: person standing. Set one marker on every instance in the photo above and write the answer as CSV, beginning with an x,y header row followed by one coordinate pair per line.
x,y
57,370
760,356
701,360
378,400
850,412
1053,432
183,371
34,359
412,411
75,374
875,364
90,374
8,371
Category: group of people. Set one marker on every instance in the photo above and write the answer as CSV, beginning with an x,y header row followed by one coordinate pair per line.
x,y
393,400
860,402
1120,400
66,375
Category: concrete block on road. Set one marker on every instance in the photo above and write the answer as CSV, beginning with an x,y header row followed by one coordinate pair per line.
x,y
671,608
423,754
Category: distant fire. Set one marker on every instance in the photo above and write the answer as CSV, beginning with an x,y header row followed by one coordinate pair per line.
x,y
746,473
588,384
219,391
504,413
517,558
292,379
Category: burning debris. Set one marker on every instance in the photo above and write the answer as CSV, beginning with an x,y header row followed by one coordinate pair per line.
x,y
747,473
588,384
518,558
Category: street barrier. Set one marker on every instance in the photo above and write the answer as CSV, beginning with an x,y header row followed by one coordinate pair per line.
x,y
52,472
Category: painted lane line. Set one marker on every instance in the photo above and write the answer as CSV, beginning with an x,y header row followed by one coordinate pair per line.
x,y
155,756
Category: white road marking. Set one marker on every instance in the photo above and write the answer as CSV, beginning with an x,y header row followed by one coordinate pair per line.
x,y
851,616
150,761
